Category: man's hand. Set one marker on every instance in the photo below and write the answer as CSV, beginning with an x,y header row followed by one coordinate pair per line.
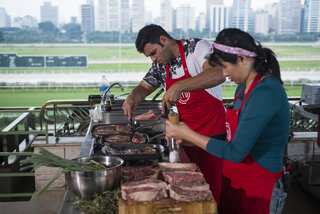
x,y
137,95
129,107
171,97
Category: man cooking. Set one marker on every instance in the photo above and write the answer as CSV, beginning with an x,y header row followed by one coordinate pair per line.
x,y
190,83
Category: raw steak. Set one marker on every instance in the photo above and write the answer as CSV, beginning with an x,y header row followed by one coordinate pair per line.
x,y
111,150
187,194
131,151
123,128
117,139
173,167
150,115
145,190
183,177
102,130
136,174
138,138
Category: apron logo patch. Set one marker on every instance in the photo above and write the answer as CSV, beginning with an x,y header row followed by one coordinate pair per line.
x,y
185,96
228,128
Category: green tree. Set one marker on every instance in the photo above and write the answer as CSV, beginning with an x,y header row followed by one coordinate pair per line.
x,y
1,37
73,31
48,27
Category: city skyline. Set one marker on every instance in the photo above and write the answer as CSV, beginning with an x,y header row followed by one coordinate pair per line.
x,y
69,8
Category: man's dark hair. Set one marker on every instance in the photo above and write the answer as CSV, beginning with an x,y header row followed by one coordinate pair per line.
x,y
150,34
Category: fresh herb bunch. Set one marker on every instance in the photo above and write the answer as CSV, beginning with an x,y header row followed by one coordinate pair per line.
x,y
46,158
107,203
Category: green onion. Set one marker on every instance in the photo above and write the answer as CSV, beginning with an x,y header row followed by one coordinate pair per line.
x,y
48,159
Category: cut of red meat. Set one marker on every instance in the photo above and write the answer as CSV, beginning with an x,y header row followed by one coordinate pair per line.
x,y
187,194
145,190
150,115
173,167
123,128
136,174
105,129
117,139
138,138
183,177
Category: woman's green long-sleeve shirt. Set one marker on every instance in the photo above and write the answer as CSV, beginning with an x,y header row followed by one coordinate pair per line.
x,y
263,127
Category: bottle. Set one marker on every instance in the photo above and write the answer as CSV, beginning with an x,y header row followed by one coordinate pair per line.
x,y
174,148
108,105
104,85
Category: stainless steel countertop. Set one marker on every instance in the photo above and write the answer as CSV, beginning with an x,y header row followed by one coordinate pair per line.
x,y
86,150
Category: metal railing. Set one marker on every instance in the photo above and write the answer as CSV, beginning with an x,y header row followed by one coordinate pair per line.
x,y
68,117
15,142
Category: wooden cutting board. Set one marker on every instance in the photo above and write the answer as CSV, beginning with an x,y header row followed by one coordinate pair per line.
x,y
167,206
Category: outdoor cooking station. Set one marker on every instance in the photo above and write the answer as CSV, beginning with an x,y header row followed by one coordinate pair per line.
x,y
116,116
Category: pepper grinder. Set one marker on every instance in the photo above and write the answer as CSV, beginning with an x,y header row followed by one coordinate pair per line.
x,y
174,118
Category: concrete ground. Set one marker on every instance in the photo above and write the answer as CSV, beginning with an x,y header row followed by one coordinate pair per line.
x,y
49,202
298,201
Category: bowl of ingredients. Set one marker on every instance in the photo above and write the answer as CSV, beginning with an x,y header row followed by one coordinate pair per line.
x,y
104,175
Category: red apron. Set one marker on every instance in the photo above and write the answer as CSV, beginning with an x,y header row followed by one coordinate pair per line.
x,y
246,186
206,115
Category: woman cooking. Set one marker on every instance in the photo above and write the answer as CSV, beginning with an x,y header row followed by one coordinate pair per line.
x,y
257,126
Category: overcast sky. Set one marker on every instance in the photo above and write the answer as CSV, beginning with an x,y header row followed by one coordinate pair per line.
x,y
68,8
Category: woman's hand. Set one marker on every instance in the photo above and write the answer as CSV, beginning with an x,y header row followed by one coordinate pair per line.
x,y
183,133
180,142
176,131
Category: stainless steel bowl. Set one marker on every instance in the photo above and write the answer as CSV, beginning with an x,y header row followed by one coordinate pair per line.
x,y
87,183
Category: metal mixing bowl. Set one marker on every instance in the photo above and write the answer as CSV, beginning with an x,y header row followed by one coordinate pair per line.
x,y
87,183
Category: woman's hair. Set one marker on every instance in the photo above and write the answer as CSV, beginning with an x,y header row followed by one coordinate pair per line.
x,y
150,34
265,61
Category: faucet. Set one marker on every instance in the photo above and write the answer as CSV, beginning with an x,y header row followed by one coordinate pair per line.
x,y
106,96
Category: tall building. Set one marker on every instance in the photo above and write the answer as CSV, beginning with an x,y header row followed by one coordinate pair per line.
x,y
261,24
304,18
29,21
311,16
219,18
201,22
102,15
113,15
166,15
25,22
5,20
87,18
73,20
148,17
242,16
49,13
137,15
125,16
174,19
17,22
209,3
186,18
272,10
289,17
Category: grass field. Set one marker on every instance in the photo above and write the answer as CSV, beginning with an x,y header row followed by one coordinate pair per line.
x,y
37,97
296,51
129,52
96,52
133,67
